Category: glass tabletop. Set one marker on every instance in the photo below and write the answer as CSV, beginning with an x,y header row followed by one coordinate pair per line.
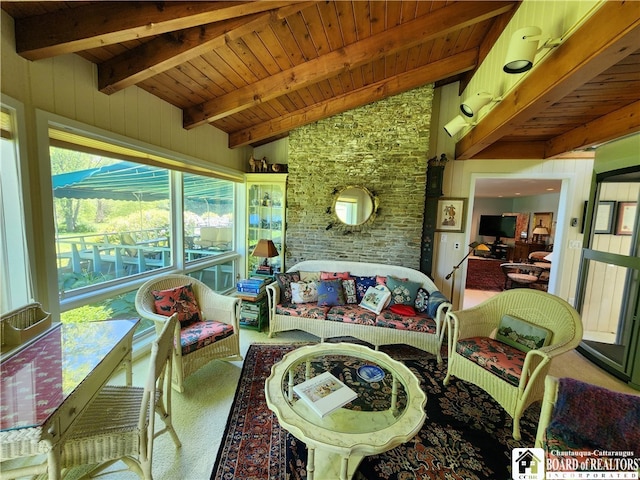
x,y
38,378
380,393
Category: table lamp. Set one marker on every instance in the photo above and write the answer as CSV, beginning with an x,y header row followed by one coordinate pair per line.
x,y
473,246
265,249
538,232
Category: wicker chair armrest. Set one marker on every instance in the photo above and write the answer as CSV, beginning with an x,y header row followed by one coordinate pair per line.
x,y
534,362
218,307
273,295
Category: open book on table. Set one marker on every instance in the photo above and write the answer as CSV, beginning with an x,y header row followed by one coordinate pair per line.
x,y
324,393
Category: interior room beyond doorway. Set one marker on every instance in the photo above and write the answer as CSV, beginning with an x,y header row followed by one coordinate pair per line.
x,y
506,212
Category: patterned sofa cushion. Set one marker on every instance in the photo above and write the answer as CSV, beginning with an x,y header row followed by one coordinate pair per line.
x,y
307,310
200,334
494,356
351,314
417,323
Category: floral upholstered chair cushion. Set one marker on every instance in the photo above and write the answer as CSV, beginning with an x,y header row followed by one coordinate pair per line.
x,y
499,358
199,334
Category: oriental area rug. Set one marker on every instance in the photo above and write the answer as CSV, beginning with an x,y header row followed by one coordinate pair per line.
x,y
485,274
466,435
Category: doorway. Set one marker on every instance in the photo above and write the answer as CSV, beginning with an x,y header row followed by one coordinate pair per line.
x,y
518,195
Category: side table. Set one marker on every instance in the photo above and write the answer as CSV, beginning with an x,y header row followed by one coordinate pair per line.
x,y
253,311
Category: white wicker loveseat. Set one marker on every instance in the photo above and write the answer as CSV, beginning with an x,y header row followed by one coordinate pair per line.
x,y
422,331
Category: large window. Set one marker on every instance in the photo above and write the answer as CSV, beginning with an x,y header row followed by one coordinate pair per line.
x,y
15,281
120,219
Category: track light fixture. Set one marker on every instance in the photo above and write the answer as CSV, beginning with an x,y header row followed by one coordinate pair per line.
x,y
523,48
455,125
472,105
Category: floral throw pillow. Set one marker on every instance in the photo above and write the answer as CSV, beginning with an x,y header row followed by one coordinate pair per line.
x,y
349,288
403,292
330,293
304,292
362,284
284,282
180,300
334,275
422,297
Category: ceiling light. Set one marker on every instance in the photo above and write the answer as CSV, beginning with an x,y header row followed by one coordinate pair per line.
x,y
455,125
523,48
473,104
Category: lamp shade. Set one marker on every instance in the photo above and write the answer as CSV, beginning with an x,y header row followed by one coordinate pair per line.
x,y
522,50
472,105
265,249
540,230
455,125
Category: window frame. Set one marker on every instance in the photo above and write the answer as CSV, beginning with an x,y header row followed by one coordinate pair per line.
x,y
45,268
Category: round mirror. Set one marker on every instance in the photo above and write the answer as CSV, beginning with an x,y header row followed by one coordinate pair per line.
x,y
354,205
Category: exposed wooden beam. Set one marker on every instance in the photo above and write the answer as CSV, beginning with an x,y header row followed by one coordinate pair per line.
x,y
452,65
609,35
106,23
165,52
624,121
441,22
171,49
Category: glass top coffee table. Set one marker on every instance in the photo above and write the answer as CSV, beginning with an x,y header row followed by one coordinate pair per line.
x,y
388,409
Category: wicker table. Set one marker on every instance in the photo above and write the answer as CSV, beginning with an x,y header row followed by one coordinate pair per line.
x,y
338,441
46,385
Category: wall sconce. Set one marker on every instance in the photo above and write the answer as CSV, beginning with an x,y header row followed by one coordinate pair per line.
x,y
455,125
472,105
523,48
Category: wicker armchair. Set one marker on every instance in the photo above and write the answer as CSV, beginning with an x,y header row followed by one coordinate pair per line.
x,y
515,379
195,351
119,424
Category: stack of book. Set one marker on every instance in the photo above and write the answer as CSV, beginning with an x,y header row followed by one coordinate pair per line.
x,y
264,269
251,288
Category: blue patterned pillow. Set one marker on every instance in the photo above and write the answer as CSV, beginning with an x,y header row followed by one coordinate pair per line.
x,y
403,292
422,298
434,301
330,293
362,284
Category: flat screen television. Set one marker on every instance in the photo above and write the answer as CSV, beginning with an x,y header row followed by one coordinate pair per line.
x,y
498,226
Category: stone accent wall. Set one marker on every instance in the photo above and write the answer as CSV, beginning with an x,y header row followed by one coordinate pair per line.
x,y
383,147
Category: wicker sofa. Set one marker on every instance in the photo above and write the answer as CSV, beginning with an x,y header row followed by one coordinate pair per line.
x,y
421,330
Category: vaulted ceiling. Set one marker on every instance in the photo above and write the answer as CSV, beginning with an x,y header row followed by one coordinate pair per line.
x,y
257,70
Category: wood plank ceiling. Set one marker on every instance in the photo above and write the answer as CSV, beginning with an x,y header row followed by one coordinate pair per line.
x,y
257,70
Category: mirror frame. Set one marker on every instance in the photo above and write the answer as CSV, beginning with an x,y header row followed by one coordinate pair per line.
x,y
347,228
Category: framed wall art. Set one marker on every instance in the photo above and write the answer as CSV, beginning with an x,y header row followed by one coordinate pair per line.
x,y
451,214
604,217
626,218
